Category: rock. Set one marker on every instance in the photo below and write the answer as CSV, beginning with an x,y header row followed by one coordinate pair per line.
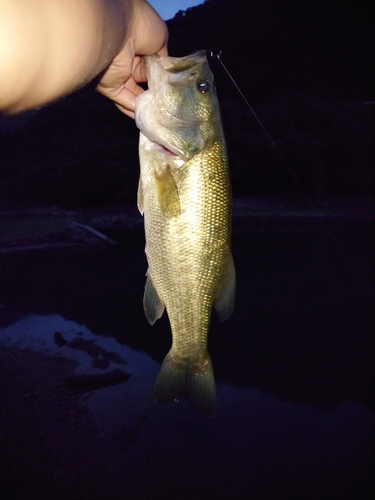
x,y
101,355
88,346
97,380
100,362
116,358
59,339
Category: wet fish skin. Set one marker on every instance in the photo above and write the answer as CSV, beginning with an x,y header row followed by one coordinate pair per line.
x,y
185,196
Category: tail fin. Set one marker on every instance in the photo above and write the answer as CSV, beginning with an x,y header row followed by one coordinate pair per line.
x,y
195,381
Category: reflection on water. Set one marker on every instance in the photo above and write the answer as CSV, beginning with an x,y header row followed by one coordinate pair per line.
x,y
255,434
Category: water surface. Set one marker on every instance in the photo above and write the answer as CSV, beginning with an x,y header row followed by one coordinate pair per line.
x,y
293,365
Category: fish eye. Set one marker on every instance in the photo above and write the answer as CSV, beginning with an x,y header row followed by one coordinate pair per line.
x,y
203,86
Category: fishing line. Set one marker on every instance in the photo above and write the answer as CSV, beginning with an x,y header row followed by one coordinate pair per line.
x,y
290,170
218,56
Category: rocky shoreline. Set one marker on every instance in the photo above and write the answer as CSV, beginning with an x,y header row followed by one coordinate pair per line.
x,y
23,229
49,448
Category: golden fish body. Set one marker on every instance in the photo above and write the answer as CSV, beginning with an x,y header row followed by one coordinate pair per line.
x,y
185,196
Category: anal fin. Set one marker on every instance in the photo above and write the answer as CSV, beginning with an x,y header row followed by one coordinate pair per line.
x,y
224,303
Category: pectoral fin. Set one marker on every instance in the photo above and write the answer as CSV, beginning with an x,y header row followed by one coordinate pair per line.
x,y
152,304
140,203
224,303
169,200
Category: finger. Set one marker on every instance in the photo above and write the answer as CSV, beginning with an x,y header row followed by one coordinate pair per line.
x,y
164,50
139,70
126,111
125,99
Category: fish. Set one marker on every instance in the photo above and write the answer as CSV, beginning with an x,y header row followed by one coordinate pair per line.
x,y
184,195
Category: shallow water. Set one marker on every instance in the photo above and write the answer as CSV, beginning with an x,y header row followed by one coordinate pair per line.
x,y
293,366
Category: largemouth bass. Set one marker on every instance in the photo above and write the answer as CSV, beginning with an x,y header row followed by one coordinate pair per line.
x,y
185,196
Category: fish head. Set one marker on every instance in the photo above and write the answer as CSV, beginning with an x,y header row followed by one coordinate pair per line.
x,y
179,111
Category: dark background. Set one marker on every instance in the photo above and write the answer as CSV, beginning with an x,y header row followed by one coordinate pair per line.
x,y
297,352
306,68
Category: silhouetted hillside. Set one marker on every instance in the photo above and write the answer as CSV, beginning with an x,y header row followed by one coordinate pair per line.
x,y
319,47
305,67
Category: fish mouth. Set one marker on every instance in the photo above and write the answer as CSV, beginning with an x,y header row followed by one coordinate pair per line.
x,y
157,146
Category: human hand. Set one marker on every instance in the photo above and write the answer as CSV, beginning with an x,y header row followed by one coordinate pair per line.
x,y
148,35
